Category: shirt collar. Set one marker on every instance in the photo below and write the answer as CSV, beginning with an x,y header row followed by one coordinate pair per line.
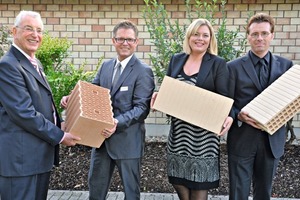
x,y
255,59
124,62
25,54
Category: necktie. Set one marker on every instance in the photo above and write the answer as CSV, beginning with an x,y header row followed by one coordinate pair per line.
x,y
36,66
263,73
117,74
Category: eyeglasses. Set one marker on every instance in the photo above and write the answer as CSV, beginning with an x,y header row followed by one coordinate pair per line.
x,y
256,35
122,40
29,29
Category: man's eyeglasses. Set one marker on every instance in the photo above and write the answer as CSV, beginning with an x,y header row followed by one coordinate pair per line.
x,y
29,29
122,40
263,35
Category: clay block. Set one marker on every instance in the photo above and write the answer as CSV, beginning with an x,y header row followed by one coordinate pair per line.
x,y
192,104
278,103
89,111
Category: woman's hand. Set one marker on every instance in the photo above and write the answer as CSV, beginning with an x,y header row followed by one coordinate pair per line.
x,y
226,126
153,98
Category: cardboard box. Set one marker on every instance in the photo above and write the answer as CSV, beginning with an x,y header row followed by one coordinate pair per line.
x,y
88,113
192,104
278,103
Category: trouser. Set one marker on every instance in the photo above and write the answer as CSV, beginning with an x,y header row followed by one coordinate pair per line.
x,y
34,187
101,171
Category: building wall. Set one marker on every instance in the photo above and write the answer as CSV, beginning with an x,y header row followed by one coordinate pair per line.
x,y
88,24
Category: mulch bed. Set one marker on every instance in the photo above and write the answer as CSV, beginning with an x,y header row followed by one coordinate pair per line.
x,y
72,173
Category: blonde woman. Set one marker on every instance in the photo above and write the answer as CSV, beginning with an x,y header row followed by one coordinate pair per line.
x,y
193,152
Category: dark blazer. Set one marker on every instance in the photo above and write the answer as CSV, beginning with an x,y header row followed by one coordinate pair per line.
x,y
244,86
28,137
213,74
131,105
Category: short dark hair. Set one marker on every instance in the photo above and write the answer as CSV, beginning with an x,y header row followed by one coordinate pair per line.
x,y
126,24
259,18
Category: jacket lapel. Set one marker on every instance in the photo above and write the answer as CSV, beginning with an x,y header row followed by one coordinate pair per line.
x,y
205,67
124,74
250,70
274,73
25,63
178,64
111,64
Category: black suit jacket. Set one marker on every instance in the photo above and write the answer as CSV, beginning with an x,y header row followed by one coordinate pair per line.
x,y
244,86
28,137
213,74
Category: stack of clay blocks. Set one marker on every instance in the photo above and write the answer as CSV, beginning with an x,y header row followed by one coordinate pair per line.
x,y
88,112
278,103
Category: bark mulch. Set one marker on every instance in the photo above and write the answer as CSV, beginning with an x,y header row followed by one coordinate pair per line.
x,y
72,173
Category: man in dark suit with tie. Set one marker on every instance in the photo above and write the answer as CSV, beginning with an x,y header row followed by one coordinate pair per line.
x,y
253,154
131,84
30,125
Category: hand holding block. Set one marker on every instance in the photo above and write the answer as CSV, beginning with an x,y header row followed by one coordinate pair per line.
x,y
278,103
88,113
192,104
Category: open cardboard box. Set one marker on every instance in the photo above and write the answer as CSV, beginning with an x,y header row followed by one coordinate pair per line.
x,y
192,104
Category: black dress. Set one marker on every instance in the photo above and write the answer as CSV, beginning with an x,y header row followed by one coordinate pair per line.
x,y
192,152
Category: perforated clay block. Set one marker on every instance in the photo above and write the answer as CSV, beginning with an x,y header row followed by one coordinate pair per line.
x,y
278,103
89,111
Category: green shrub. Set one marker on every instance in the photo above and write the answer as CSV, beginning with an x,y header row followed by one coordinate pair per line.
x,y
53,52
168,35
5,43
165,34
61,76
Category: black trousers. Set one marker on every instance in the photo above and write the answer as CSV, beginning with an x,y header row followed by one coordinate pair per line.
x,y
257,168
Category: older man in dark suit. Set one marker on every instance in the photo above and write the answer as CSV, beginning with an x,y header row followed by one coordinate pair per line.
x,y
131,83
253,154
30,125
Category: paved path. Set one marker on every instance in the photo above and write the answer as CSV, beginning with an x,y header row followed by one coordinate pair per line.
x,y
83,195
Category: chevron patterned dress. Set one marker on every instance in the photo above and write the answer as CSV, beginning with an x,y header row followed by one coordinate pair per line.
x,y
192,153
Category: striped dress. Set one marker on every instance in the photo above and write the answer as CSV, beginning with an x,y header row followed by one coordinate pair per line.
x,y
192,152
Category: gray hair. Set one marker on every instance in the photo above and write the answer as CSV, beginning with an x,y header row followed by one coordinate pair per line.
x,y
24,13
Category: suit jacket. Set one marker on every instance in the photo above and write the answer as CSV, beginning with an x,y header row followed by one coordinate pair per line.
x,y
244,86
131,105
213,74
28,137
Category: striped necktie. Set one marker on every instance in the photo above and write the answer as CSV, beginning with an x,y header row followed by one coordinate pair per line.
x,y
35,65
117,74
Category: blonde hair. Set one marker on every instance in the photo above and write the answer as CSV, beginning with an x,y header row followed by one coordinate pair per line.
x,y
192,29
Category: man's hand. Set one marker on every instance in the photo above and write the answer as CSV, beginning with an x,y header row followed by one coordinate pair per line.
x,y
244,117
64,101
108,132
70,140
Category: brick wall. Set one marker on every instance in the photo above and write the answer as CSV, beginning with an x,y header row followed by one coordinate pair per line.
x,y
88,24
